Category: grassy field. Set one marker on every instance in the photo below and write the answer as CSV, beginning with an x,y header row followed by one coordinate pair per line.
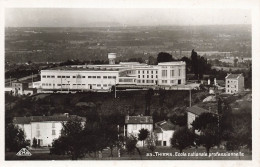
x,y
144,152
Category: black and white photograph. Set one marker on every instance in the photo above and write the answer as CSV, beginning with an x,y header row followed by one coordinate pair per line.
x,y
109,84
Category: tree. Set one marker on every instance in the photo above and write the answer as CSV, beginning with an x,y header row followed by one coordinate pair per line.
x,y
207,126
71,141
151,142
34,142
164,57
131,145
14,138
179,119
143,134
182,138
194,63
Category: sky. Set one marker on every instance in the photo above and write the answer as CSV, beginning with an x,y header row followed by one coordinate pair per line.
x,y
88,17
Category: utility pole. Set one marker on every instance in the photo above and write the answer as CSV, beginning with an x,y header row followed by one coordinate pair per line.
x,y
115,88
118,148
190,96
32,79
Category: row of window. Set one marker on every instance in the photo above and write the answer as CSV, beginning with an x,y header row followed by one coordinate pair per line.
x,y
38,126
38,133
78,76
143,126
139,76
164,73
231,81
235,86
146,81
148,71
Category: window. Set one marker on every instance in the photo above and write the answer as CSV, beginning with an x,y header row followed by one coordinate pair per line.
x,y
83,77
52,76
38,134
89,76
94,76
164,73
143,72
53,132
59,85
147,71
147,76
152,76
134,127
105,77
143,81
63,76
44,76
98,85
98,76
138,76
152,72
156,72
143,76
105,85
109,77
74,76
172,73
67,76
49,84
179,72
48,76
59,76
114,77
53,125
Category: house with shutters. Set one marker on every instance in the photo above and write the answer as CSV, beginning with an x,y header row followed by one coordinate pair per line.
x,y
135,123
234,83
164,131
44,129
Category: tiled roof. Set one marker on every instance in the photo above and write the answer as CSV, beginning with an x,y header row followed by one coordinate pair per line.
x,y
233,76
196,110
60,118
138,119
166,125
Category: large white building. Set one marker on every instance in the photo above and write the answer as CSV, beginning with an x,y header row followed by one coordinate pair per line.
x,y
44,129
87,77
234,83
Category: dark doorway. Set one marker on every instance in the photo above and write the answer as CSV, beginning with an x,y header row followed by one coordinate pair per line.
x,y
164,143
179,81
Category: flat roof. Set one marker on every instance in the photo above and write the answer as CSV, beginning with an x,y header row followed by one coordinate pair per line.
x,y
73,68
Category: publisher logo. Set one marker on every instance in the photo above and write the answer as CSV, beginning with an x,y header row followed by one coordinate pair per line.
x,y
24,152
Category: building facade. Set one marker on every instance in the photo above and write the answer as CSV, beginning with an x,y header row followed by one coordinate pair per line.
x,y
234,83
135,123
45,129
164,131
103,77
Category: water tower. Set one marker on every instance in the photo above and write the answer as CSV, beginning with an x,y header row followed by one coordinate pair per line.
x,y
112,58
